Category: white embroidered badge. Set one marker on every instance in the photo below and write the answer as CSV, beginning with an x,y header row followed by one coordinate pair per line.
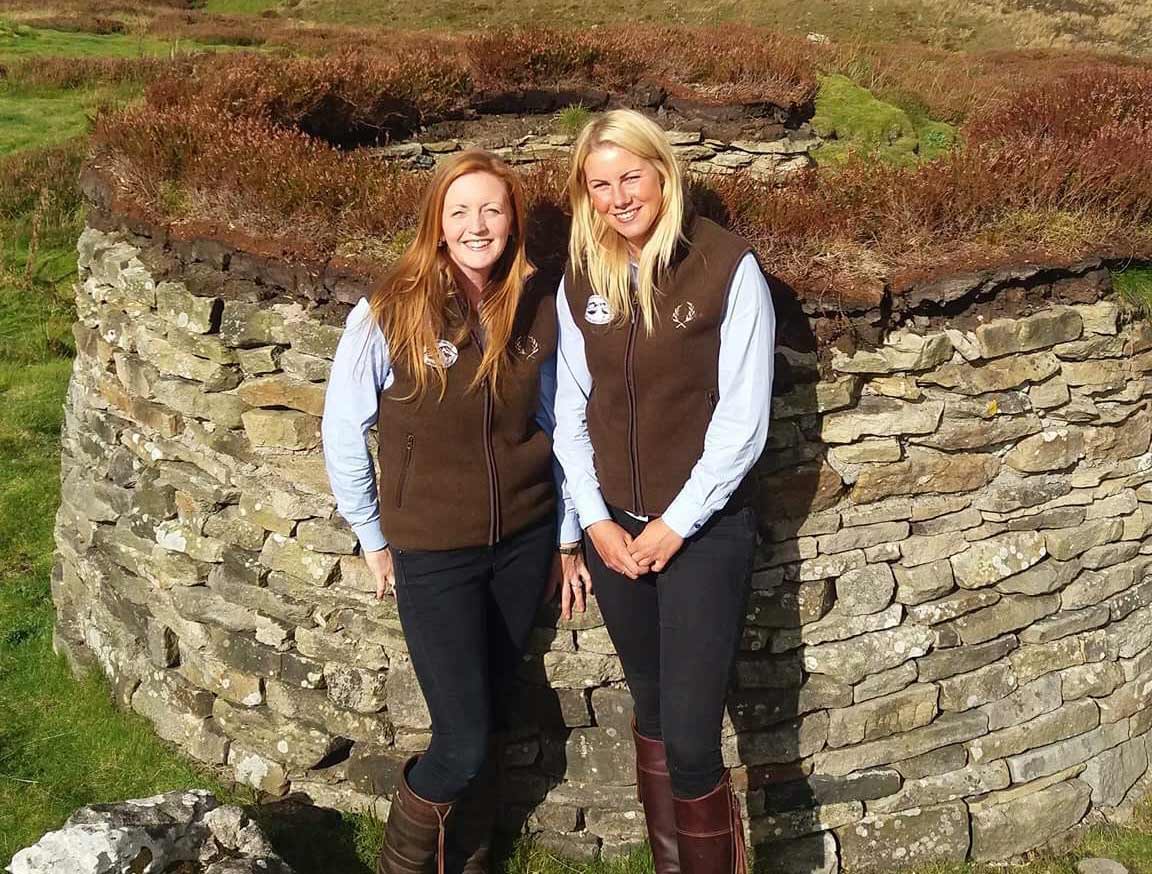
x,y
526,346
447,351
597,311
683,314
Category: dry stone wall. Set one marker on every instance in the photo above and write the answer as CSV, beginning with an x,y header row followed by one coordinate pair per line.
x,y
949,644
761,159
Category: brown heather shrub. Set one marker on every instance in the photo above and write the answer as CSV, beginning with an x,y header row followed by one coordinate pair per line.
x,y
78,72
278,178
98,8
301,37
234,30
26,173
726,63
528,57
434,71
1058,165
97,24
1070,106
954,86
347,98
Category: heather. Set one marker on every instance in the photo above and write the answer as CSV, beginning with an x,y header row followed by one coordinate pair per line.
x,y
1050,165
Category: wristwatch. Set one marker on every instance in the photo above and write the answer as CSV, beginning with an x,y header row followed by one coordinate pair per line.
x,y
569,548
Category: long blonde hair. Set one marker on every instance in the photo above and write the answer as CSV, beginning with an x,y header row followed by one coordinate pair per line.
x,y
599,251
411,303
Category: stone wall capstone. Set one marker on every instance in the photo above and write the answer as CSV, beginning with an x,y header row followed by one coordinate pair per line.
x,y
948,653
774,159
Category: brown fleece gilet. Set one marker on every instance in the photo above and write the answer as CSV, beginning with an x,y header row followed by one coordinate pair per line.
x,y
653,396
469,469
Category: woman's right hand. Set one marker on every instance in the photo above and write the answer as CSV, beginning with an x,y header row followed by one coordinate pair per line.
x,y
612,542
380,563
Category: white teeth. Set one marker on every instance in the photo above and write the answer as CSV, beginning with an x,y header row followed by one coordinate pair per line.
x,y
478,245
626,216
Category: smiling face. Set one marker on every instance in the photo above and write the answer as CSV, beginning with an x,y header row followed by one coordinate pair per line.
x,y
477,224
625,190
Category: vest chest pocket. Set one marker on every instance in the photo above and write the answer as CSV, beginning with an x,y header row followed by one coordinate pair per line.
x,y
404,466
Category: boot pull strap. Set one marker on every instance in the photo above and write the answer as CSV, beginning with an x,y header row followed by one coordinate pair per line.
x,y
442,818
739,851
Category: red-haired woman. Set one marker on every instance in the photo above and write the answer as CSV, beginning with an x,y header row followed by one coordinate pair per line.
x,y
666,345
453,361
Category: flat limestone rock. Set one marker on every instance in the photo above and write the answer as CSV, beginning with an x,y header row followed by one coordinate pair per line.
x,y
912,837
1100,866
1005,830
185,830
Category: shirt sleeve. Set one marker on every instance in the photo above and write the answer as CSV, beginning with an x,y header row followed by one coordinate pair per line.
x,y
738,429
571,443
568,521
361,369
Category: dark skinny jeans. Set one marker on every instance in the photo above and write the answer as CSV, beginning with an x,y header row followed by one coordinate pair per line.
x,y
677,633
466,615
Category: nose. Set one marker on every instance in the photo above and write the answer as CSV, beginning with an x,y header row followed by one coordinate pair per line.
x,y
479,224
621,199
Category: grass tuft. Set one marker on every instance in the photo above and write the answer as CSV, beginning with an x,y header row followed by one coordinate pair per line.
x,y
571,119
1135,286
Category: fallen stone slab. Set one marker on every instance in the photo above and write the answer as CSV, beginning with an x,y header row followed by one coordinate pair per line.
x,y
184,830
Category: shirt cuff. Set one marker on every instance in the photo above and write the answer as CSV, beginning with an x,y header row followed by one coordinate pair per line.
x,y
570,531
682,519
370,536
591,508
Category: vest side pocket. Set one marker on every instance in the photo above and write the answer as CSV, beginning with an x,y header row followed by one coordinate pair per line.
x,y
408,444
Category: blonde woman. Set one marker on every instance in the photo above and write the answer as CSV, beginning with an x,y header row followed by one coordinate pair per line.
x,y
453,361
665,380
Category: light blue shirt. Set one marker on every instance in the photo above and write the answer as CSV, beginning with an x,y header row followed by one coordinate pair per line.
x,y
736,433
362,370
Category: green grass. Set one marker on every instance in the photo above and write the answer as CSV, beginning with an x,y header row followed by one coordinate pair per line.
x,y
62,743
1135,285
571,119
240,7
18,41
43,117
856,121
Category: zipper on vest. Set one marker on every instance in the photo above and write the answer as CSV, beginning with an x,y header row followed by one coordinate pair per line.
x,y
493,477
633,450
408,444
490,458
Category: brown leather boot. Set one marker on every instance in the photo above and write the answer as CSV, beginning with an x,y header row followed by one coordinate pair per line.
x,y
469,841
414,834
654,787
710,833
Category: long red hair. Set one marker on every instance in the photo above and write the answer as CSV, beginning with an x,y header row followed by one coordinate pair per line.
x,y
411,303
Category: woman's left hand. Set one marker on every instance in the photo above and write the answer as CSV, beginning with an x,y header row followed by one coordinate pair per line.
x,y
575,583
655,546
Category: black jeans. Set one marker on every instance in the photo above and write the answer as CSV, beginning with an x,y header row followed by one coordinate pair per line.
x,y
677,633
466,615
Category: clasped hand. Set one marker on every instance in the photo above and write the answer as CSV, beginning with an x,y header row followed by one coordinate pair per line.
x,y
633,557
